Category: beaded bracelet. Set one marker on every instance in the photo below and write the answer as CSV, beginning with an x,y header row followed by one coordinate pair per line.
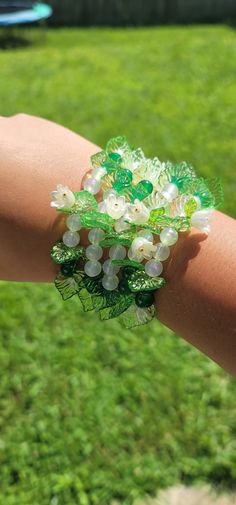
x,y
141,206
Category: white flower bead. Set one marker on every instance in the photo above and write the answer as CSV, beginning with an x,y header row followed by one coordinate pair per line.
x,y
110,282
115,205
109,192
109,268
141,248
168,236
170,192
102,207
121,225
71,238
98,173
137,212
146,234
162,252
92,268
153,268
74,222
95,235
92,185
117,252
201,220
134,256
94,252
62,197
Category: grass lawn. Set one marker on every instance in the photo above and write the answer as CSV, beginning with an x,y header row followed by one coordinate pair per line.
x,y
91,413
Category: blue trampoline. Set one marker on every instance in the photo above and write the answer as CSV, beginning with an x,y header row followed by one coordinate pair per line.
x,y
16,13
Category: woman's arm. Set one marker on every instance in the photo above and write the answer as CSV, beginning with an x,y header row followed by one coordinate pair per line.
x,y
199,300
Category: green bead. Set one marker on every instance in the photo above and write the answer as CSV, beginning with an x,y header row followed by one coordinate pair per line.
x,y
67,268
142,190
115,157
123,178
123,286
144,299
128,271
190,207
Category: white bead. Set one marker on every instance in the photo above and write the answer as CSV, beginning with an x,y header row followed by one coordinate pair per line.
x,y
168,236
133,256
170,192
98,173
109,192
95,235
94,252
110,269
102,207
117,252
153,268
146,234
121,225
201,220
92,268
92,185
74,222
110,282
71,238
162,252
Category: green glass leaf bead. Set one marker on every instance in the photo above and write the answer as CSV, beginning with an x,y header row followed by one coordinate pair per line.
x,y
123,178
140,281
190,207
123,238
136,316
198,187
118,145
96,219
127,263
98,159
124,302
177,174
68,268
110,166
67,287
141,190
60,253
128,271
123,286
155,214
144,299
215,186
115,157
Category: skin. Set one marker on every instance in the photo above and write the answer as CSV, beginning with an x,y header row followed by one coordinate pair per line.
x,y
199,299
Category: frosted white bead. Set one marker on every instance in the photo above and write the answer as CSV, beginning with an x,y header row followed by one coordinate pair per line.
x,y
201,220
94,252
162,252
74,222
110,269
133,256
92,185
102,207
108,193
95,235
92,268
153,268
168,236
121,225
71,238
117,252
98,173
146,234
170,192
110,282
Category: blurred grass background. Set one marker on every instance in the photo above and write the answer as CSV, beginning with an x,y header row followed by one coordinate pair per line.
x,y
91,413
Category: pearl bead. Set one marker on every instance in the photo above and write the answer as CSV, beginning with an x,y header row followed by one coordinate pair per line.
x,y
92,185
95,235
102,207
71,238
92,268
170,192
74,222
110,282
98,173
168,236
153,268
117,252
109,268
94,252
162,252
146,234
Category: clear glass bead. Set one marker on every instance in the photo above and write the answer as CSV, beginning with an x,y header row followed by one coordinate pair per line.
x,y
98,173
117,252
146,234
71,238
102,207
110,282
168,236
92,185
95,235
74,222
110,269
153,268
94,252
162,252
92,268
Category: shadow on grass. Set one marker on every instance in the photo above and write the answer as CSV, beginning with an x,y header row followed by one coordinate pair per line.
x,y
12,41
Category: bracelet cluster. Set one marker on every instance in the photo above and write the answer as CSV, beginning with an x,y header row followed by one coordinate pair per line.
x,y
134,209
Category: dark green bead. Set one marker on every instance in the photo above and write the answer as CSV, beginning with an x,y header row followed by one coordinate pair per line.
x,y
144,299
123,286
147,185
142,190
67,268
115,157
123,178
128,271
